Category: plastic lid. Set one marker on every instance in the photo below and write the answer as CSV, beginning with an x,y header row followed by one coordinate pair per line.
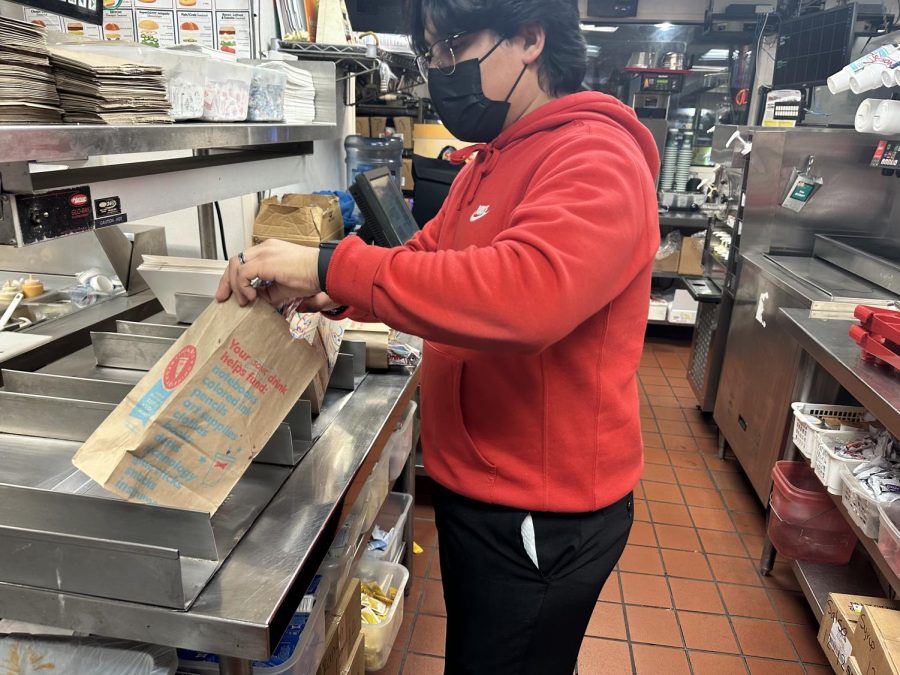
x,y
839,82
866,79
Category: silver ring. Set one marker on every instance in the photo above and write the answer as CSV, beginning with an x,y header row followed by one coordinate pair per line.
x,y
241,258
256,282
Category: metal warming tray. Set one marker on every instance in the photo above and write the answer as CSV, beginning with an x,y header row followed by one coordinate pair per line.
x,y
872,258
61,531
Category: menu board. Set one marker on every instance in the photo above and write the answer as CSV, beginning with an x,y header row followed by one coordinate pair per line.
x,y
225,25
88,11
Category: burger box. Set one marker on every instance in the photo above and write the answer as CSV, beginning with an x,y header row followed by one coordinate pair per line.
x,y
300,219
376,336
842,613
876,641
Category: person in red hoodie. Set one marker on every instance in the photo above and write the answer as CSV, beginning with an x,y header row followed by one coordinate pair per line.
x,y
531,290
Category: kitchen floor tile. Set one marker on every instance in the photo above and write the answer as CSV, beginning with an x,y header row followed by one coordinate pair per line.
x,y
394,662
659,473
611,591
792,607
680,443
418,664
748,601
648,659
653,626
664,513
707,632
426,532
642,534
662,492
428,635
652,440
641,511
642,559
604,657
686,564
763,638
681,538
702,497
607,621
734,570
705,663
806,643
722,543
433,599
768,667
781,578
670,414
749,523
656,456
641,589
712,519
694,477
673,427
688,460
741,501
696,596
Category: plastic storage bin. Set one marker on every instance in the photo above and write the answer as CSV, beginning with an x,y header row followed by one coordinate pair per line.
x,y
827,465
266,102
339,558
380,638
889,534
862,507
804,523
399,446
806,435
378,487
393,516
298,653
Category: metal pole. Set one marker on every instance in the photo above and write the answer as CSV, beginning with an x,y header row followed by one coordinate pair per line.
x,y
206,221
230,665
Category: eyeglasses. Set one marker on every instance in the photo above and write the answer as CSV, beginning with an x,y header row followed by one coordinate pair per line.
x,y
441,56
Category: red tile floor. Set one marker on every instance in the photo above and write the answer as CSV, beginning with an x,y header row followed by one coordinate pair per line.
x,y
687,597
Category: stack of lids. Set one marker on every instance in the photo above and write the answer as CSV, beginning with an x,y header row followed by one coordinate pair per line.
x,y
99,89
299,93
27,87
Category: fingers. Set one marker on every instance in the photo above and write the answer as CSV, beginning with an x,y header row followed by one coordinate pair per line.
x,y
317,303
276,295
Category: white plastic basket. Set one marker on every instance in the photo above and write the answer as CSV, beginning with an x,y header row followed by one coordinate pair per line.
x,y
380,638
806,436
399,446
393,516
862,507
827,465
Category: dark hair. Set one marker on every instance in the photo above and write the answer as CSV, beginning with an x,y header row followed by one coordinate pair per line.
x,y
562,65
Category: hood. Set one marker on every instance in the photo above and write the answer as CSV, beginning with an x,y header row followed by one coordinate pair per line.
x,y
587,106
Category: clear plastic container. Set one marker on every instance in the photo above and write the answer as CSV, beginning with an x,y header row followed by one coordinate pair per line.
x,y
378,487
804,523
889,534
393,516
339,558
806,435
184,72
380,638
266,95
827,465
399,446
298,653
862,507
365,154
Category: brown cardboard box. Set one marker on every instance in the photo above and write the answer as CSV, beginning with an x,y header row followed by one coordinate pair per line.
x,y
853,667
876,641
691,262
363,127
668,263
299,219
185,435
379,124
331,659
338,644
842,613
404,126
406,178
357,663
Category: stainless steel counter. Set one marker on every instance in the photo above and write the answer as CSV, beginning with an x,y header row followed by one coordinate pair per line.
x,y
828,342
245,608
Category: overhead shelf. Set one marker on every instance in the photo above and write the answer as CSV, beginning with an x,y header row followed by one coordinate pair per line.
x,y
661,71
52,142
683,220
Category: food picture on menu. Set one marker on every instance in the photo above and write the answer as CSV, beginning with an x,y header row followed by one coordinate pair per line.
x,y
38,23
75,28
149,31
187,3
228,39
190,33
112,31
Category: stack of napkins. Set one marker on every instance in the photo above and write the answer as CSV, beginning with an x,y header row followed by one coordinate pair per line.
x,y
27,87
168,275
99,89
299,93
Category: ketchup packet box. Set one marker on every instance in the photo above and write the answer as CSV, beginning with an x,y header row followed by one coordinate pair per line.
x,y
187,432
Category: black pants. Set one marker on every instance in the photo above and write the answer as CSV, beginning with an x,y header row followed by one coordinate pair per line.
x,y
505,615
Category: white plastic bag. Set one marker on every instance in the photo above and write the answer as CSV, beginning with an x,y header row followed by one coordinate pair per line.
x,y
38,655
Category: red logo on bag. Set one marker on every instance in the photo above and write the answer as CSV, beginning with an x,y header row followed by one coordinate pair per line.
x,y
78,200
180,367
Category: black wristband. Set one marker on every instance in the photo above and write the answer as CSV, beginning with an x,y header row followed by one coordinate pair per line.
x,y
326,251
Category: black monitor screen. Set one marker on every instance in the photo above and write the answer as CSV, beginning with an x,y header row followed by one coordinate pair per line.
x,y
389,222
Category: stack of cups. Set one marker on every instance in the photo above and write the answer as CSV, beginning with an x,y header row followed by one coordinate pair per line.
x,y
865,115
670,158
887,118
685,157
890,77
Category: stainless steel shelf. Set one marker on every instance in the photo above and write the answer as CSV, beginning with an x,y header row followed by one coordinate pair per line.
x,y
818,580
26,143
696,221
656,322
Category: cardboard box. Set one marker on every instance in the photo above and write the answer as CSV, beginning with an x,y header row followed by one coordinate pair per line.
x,y
683,308
667,261
853,667
430,139
357,663
330,663
300,219
407,182
378,125
876,641
187,432
691,261
842,613
343,630
363,127
404,127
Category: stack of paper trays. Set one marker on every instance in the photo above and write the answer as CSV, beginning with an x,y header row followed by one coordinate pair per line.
x,y
299,94
99,89
168,275
27,87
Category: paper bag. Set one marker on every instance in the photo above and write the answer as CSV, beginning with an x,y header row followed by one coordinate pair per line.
x,y
329,335
299,219
377,337
188,431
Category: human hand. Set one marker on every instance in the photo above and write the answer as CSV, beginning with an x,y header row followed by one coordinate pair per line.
x,y
284,271
318,303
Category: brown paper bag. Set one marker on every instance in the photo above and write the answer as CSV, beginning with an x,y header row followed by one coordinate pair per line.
x,y
377,337
329,336
299,219
190,428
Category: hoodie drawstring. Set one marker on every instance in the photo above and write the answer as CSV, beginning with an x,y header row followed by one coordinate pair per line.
x,y
485,162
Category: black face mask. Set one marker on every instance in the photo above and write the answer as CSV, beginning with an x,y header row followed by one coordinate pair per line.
x,y
460,101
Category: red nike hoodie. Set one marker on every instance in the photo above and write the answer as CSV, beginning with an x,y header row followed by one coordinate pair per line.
x,y
531,289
